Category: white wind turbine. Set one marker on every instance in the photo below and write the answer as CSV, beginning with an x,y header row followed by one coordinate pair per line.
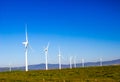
x,y
46,54
100,61
59,55
70,62
26,50
10,67
83,63
75,62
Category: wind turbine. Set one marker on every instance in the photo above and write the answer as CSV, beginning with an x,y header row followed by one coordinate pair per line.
x,y
70,62
59,55
46,54
83,63
100,61
75,62
26,49
10,67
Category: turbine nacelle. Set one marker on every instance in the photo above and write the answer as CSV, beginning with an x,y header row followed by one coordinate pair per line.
x,y
46,49
25,43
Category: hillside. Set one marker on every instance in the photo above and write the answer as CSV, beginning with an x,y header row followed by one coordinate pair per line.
x,y
87,74
55,66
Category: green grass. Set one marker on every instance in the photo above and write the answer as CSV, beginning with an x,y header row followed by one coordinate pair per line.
x,y
87,74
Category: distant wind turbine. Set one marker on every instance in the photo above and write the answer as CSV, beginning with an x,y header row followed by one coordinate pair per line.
x,y
70,62
10,68
75,62
83,63
59,55
46,54
100,61
26,50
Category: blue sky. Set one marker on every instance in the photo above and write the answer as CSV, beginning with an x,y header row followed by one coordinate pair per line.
x,y
88,29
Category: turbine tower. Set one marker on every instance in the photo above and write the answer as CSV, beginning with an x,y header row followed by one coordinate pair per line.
x,y
70,62
26,49
83,63
46,54
59,55
10,68
75,62
100,61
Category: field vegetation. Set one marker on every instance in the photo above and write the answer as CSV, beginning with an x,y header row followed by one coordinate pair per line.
x,y
87,74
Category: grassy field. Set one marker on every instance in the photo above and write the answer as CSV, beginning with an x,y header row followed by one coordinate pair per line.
x,y
87,74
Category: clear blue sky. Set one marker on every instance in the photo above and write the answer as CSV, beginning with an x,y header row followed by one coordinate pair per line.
x,y
88,29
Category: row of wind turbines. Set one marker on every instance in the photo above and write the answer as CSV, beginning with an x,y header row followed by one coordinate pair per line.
x,y
26,44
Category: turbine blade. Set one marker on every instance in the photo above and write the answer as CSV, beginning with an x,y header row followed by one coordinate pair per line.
x,y
48,46
59,52
31,48
44,48
23,42
63,58
26,33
